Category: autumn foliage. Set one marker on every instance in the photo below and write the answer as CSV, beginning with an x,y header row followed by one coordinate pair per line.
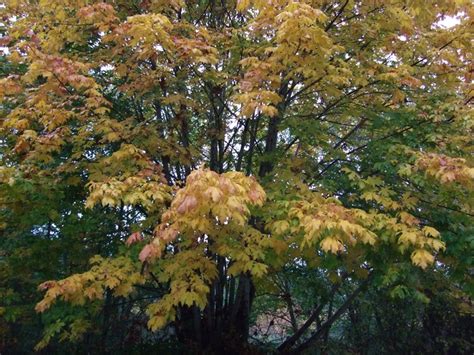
x,y
195,172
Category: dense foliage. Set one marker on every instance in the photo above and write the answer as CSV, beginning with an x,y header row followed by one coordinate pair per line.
x,y
236,176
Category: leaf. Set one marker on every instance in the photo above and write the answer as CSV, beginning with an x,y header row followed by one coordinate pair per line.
x,y
422,258
134,238
213,193
331,244
148,252
430,232
242,5
187,205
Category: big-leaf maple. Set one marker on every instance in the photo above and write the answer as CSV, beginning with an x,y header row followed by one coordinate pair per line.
x,y
195,151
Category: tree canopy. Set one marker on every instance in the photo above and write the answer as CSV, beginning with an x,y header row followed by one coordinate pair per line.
x,y
248,176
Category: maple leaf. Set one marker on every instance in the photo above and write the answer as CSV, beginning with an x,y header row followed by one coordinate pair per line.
x,y
108,109
189,202
148,252
422,258
134,238
331,244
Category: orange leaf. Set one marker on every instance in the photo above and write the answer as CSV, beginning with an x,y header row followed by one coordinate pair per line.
x,y
134,238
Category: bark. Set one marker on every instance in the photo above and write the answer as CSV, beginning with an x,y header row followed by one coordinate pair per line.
x,y
270,146
164,158
184,133
243,143
197,324
252,143
271,138
294,323
105,321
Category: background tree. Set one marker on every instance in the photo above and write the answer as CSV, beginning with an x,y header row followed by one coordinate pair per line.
x,y
187,170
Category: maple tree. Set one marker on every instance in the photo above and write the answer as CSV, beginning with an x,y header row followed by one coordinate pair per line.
x,y
168,165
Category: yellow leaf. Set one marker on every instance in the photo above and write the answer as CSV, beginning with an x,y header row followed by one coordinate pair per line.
x,y
280,227
408,237
430,232
422,258
436,244
213,193
242,5
331,244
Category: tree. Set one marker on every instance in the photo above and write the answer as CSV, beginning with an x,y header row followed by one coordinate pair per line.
x,y
203,154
